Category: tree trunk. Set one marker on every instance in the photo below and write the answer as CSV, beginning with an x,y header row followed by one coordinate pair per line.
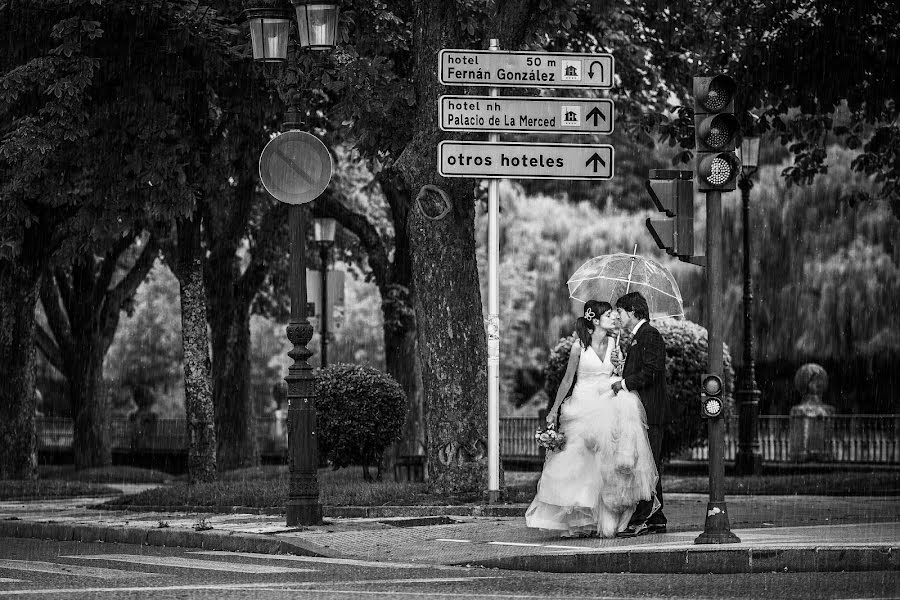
x,y
18,298
235,411
198,398
90,404
440,232
400,354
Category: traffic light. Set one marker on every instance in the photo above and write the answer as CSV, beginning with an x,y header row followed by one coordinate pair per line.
x,y
711,401
673,193
716,132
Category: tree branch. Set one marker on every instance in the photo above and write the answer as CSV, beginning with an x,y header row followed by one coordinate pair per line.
x,y
56,317
108,268
126,288
330,206
48,347
263,253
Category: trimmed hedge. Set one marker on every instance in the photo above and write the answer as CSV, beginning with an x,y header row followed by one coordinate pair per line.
x,y
686,356
360,413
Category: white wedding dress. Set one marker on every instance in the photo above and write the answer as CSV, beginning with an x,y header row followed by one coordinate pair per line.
x,y
605,467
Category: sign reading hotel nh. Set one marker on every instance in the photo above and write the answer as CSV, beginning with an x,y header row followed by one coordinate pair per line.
x,y
526,69
526,114
524,160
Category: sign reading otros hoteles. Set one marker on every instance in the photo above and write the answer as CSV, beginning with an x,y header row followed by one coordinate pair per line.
x,y
524,160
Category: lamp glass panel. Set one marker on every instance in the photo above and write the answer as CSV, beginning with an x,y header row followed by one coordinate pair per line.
x,y
325,229
750,152
269,39
317,24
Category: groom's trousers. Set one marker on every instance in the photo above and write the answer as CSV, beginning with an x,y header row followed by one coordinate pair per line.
x,y
645,507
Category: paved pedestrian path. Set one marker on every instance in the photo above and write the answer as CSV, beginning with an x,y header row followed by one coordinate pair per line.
x,y
803,533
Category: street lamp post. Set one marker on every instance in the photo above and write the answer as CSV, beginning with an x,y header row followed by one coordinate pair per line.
x,y
749,457
317,27
324,234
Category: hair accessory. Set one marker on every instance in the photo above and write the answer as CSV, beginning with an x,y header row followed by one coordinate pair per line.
x,y
589,314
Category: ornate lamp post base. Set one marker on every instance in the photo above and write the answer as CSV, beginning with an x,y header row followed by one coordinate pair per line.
x,y
717,529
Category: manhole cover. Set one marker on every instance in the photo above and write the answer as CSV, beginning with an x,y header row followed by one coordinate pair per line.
x,y
419,522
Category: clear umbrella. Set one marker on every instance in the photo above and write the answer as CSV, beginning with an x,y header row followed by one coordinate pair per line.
x,y
613,275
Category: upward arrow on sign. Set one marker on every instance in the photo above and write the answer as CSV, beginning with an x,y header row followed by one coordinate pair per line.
x,y
595,114
596,161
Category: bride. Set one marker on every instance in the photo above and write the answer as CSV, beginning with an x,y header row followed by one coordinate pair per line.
x,y
592,485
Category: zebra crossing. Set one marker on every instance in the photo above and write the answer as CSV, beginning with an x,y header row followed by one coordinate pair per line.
x,y
14,570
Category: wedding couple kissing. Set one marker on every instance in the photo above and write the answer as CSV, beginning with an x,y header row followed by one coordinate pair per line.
x,y
604,481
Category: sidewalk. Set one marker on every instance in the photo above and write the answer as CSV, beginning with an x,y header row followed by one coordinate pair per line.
x,y
795,533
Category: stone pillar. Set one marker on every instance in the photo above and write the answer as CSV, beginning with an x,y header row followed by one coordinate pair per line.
x,y
811,429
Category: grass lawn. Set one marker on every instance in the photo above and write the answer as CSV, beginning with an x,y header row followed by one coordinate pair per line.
x,y
45,489
833,483
266,487
110,474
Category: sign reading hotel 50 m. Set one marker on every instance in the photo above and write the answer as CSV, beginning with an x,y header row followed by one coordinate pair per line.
x,y
526,69
525,160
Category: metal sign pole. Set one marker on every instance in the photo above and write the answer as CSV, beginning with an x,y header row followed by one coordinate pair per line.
x,y
493,328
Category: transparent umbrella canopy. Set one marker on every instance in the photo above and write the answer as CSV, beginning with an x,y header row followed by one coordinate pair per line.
x,y
610,276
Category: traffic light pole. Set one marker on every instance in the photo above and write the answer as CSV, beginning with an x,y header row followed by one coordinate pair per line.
x,y
717,529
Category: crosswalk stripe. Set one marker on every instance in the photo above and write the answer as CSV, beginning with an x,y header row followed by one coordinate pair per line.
x,y
330,561
40,566
191,563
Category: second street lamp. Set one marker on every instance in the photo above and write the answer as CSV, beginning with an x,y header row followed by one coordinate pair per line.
x,y
749,456
324,235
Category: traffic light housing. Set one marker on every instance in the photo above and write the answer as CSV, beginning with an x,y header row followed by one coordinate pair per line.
x,y
712,390
716,133
673,194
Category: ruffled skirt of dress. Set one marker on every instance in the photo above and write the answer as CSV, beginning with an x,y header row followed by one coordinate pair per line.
x,y
595,481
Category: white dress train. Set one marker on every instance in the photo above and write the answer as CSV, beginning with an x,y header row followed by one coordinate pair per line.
x,y
595,481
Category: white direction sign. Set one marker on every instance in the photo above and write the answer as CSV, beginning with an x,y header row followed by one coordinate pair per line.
x,y
525,69
526,114
525,160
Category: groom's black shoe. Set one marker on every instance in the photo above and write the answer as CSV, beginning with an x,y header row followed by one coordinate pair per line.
x,y
634,531
656,527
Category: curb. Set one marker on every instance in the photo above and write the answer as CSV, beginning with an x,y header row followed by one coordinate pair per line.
x,y
342,512
707,561
174,537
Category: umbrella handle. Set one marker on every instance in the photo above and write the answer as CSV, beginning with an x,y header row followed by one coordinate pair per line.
x,y
631,270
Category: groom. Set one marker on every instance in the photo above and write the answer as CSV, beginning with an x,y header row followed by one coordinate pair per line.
x,y
645,374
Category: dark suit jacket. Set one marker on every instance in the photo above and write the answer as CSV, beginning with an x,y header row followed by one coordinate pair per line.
x,y
645,372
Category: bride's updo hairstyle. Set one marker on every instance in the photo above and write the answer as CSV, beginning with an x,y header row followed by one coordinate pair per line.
x,y
584,326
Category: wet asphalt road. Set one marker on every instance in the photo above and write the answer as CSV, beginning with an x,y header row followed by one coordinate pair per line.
x,y
76,571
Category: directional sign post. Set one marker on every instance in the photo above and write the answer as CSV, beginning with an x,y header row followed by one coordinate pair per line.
x,y
526,69
494,160
526,114
525,160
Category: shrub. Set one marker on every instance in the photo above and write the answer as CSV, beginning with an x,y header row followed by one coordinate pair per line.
x,y
686,359
360,413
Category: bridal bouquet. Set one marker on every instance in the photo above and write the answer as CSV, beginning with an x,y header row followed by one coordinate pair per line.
x,y
549,438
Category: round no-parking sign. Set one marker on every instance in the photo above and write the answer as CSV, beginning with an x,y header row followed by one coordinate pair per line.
x,y
295,167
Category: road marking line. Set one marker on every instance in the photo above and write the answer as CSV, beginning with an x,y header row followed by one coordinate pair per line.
x,y
286,588
457,541
10,580
332,561
192,563
516,544
40,566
